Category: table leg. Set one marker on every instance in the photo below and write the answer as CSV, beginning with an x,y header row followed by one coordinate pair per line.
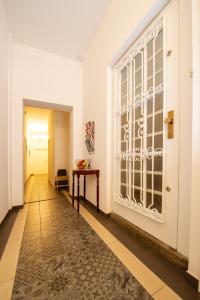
x,y
97,192
84,187
73,190
78,191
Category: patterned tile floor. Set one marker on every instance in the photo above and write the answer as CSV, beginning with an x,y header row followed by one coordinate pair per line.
x,y
61,257
52,250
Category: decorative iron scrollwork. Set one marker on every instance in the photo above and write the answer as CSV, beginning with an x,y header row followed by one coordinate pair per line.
x,y
138,154
152,213
140,118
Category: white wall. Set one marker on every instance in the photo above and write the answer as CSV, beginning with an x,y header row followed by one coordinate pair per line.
x,y
59,143
120,20
51,147
41,76
27,172
62,146
185,125
194,245
4,74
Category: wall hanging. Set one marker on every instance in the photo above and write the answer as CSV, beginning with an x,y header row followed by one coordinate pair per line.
x,y
89,141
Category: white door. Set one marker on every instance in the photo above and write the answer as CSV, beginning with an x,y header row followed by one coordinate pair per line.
x,y
38,152
39,161
146,160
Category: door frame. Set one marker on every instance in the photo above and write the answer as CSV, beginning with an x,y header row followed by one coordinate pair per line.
x,y
53,106
148,19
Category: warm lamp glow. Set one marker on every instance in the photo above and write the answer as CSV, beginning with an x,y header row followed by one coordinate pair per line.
x,y
37,130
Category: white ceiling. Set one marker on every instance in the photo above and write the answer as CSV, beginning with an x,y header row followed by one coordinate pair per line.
x,y
64,27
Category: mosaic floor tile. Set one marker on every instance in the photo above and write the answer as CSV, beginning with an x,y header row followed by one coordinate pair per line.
x,y
65,259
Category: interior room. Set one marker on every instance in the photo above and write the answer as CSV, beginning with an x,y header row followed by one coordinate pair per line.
x,y
100,149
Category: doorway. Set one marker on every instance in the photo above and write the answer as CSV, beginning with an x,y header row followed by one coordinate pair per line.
x,y
146,159
46,150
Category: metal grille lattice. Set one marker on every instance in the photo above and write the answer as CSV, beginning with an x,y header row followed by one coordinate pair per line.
x,y
140,122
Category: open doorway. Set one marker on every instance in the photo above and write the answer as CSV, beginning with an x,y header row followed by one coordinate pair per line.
x,y
46,152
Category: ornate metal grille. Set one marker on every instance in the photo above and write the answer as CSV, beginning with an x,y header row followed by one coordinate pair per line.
x,y
140,110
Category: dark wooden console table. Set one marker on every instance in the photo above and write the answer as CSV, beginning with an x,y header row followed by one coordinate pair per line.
x,y
85,172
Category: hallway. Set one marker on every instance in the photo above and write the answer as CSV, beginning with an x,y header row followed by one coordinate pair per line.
x,y
38,189
113,82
